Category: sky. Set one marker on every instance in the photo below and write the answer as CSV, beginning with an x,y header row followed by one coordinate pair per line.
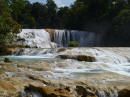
x,y
60,3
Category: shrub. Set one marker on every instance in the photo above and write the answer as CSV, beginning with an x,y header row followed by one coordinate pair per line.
x,y
73,44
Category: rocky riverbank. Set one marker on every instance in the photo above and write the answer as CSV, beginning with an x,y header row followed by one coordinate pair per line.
x,y
67,77
19,79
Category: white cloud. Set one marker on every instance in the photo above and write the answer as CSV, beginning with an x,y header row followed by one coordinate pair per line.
x,y
41,1
59,3
62,3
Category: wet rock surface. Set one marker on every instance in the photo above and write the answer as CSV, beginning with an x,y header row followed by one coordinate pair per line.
x,y
46,91
79,57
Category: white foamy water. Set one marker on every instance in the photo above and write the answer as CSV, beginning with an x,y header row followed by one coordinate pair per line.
x,y
36,53
35,38
106,59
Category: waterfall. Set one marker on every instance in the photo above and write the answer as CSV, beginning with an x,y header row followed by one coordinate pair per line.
x,y
38,38
84,38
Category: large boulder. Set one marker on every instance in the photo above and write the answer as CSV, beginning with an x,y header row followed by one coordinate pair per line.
x,y
124,92
79,57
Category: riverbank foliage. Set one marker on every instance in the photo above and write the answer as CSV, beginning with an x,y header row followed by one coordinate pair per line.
x,y
112,17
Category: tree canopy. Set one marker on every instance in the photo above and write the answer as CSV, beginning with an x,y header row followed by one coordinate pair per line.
x,y
81,15
8,27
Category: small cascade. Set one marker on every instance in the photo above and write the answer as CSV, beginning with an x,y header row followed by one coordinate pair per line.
x,y
106,59
101,55
110,93
36,53
38,38
84,38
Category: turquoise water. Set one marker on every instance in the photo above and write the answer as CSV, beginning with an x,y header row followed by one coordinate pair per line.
x,y
88,73
26,58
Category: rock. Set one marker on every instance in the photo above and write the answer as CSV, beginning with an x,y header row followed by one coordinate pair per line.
x,y
6,86
7,89
64,56
86,58
2,74
10,68
84,92
79,57
7,60
4,51
51,32
124,93
36,66
47,91
7,51
61,49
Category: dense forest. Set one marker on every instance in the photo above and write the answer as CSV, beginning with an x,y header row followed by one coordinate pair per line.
x,y
112,17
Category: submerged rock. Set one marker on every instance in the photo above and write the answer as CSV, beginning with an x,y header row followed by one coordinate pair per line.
x,y
79,57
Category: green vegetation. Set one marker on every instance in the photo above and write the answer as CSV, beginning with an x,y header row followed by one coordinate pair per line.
x,y
73,44
93,15
8,27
